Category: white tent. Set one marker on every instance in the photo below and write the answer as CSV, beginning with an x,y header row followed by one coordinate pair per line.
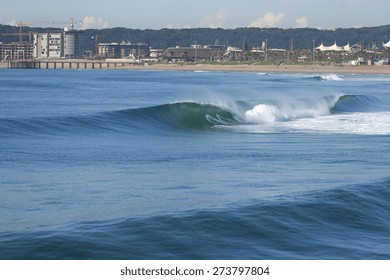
x,y
387,45
347,48
334,48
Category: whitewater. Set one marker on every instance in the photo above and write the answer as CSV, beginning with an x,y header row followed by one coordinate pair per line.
x,y
101,164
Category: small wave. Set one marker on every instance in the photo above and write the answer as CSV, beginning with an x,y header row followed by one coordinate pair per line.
x,y
263,74
287,227
329,77
359,103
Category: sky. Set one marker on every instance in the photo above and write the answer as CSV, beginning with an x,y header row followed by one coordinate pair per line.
x,y
158,14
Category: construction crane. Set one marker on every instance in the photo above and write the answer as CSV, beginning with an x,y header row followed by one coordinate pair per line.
x,y
71,22
21,34
22,24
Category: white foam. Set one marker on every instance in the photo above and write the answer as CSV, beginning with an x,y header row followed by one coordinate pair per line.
x,y
263,113
263,74
331,77
377,123
288,109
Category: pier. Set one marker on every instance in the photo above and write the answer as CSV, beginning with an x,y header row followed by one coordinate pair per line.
x,y
64,64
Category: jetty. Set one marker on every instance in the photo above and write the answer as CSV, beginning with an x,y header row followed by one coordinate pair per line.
x,y
65,64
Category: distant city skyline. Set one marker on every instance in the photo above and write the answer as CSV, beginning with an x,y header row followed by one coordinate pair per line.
x,y
152,14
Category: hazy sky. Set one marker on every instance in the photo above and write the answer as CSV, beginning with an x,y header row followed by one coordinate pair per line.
x,y
153,14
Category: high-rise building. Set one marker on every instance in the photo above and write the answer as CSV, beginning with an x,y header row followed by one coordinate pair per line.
x,y
64,44
71,43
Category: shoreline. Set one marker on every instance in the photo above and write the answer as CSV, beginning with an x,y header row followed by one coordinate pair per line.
x,y
283,68
304,69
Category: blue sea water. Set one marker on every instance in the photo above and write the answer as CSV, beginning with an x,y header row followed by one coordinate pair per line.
x,y
193,165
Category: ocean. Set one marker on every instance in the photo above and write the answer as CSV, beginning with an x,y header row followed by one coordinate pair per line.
x,y
122,164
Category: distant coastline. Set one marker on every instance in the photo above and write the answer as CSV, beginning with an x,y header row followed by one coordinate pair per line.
x,y
306,68
283,68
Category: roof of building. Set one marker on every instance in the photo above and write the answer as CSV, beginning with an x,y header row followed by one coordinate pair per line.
x,y
387,45
334,48
187,52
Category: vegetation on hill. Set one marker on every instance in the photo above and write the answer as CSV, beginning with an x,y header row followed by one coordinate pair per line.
x,y
299,38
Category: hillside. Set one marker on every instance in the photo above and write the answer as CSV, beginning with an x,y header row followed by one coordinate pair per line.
x,y
239,37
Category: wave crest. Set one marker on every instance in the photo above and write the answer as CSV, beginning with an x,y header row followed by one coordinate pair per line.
x,y
329,77
196,115
187,115
358,103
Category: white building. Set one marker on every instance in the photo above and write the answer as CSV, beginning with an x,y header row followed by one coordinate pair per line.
x,y
40,49
48,45
57,45
71,43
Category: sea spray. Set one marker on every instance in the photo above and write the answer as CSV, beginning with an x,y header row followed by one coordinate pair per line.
x,y
263,113
289,109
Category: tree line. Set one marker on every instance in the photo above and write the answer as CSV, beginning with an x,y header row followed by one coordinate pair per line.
x,y
247,38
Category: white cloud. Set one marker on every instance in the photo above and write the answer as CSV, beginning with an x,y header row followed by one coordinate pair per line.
x,y
91,22
302,22
13,22
268,20
215,20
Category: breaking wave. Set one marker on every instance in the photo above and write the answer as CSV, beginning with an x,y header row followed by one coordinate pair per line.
x,y
196,115
328,77
289,110
188,115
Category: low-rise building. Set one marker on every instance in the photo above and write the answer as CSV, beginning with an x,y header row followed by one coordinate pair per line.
x,y
16,51
123,50
156,54
192,53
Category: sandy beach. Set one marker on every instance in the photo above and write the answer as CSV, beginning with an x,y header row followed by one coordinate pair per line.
x,y
283,68
315,68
